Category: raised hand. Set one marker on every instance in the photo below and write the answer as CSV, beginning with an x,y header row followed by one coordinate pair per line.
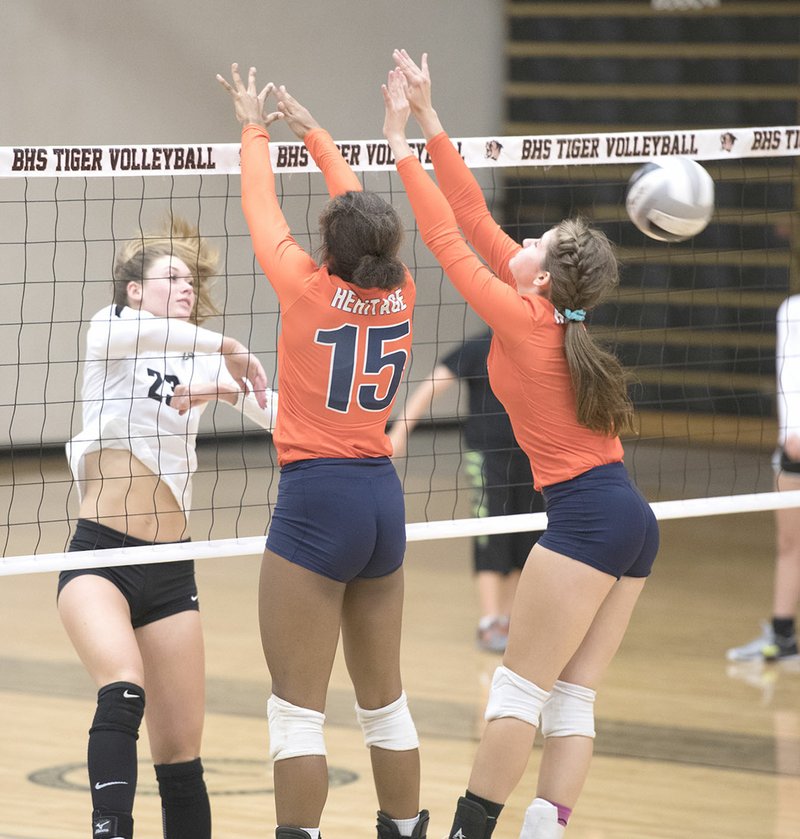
x,y
396,115
418,91
396,105
295,115
418,79
248,105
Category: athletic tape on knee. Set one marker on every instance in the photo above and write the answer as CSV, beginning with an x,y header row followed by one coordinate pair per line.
x,y
390,727
513,696
120,707
569,711
294,731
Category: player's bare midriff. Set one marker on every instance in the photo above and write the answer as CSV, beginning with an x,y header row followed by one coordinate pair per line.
x,y
122,493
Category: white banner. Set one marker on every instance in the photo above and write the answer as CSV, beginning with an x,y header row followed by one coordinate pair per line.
x,y
375,155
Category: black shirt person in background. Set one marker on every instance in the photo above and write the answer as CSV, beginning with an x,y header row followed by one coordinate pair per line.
x,y
499,472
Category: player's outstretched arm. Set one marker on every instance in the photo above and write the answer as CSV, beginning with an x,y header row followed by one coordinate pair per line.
x,y
339,177
185,397
196,394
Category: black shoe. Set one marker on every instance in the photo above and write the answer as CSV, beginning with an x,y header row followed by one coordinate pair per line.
x,y
387,829
291,833
781,649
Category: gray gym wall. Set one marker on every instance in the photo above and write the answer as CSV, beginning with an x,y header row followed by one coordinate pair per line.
x,y
106,72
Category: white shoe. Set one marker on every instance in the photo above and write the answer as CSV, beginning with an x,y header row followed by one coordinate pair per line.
x,y
754,650
541,821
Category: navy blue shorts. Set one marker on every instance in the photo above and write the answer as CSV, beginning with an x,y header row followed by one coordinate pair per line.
x,y
153,590
340,517
600,518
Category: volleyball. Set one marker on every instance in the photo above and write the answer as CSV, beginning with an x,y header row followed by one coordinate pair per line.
x,y
670,200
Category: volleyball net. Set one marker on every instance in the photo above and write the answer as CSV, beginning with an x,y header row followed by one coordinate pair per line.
x,y
694,321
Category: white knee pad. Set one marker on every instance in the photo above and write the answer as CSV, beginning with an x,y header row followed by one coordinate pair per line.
x,y
390,727
541,821
513,696
569,711
294,731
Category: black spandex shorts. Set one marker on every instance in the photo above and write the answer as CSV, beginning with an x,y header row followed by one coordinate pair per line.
x,y
787,464
153,590
502,485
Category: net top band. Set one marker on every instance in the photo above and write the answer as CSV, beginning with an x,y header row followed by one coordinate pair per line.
x,y
375,156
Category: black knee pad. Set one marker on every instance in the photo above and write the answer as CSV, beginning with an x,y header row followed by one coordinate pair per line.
x,y
179,783
120,707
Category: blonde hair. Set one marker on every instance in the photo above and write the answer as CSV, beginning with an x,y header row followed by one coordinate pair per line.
x,y
583,270
176,238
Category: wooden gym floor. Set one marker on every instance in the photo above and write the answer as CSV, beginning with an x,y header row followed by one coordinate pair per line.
x,y
687,745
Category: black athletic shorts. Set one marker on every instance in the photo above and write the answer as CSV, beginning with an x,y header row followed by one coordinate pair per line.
x,y
502,485
153,590
787,464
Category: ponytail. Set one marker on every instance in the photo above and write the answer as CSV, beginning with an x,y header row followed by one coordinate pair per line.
x,y
583,270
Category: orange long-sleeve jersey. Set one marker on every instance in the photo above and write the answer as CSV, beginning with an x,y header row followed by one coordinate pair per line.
x,y
342,349
527,365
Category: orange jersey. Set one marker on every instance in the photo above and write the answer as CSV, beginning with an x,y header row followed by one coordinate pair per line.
x,y
342,349
527,366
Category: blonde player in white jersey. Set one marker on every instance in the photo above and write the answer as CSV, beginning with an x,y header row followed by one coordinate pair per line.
x,y
149,371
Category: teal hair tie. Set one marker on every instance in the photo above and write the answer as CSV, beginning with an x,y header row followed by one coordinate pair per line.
x,y
578,314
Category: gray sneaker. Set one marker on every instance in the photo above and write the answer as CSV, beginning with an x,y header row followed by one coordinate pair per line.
x,y
753,651
493,638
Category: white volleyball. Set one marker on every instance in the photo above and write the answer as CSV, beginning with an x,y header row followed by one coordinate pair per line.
x,y
671,199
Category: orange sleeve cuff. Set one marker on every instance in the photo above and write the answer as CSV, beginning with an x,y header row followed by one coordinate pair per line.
x,y
258,129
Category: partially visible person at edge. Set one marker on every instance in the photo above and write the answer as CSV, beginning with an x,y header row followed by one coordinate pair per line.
x,y
500,475
778,639
567,401
336,540
149,371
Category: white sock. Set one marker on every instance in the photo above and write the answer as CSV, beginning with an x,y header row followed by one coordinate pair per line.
x,y
406,826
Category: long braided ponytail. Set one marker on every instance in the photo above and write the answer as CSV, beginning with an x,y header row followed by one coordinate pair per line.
x,y
583,270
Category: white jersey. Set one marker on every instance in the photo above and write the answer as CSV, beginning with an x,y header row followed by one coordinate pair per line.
x,y
134,361
787,357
